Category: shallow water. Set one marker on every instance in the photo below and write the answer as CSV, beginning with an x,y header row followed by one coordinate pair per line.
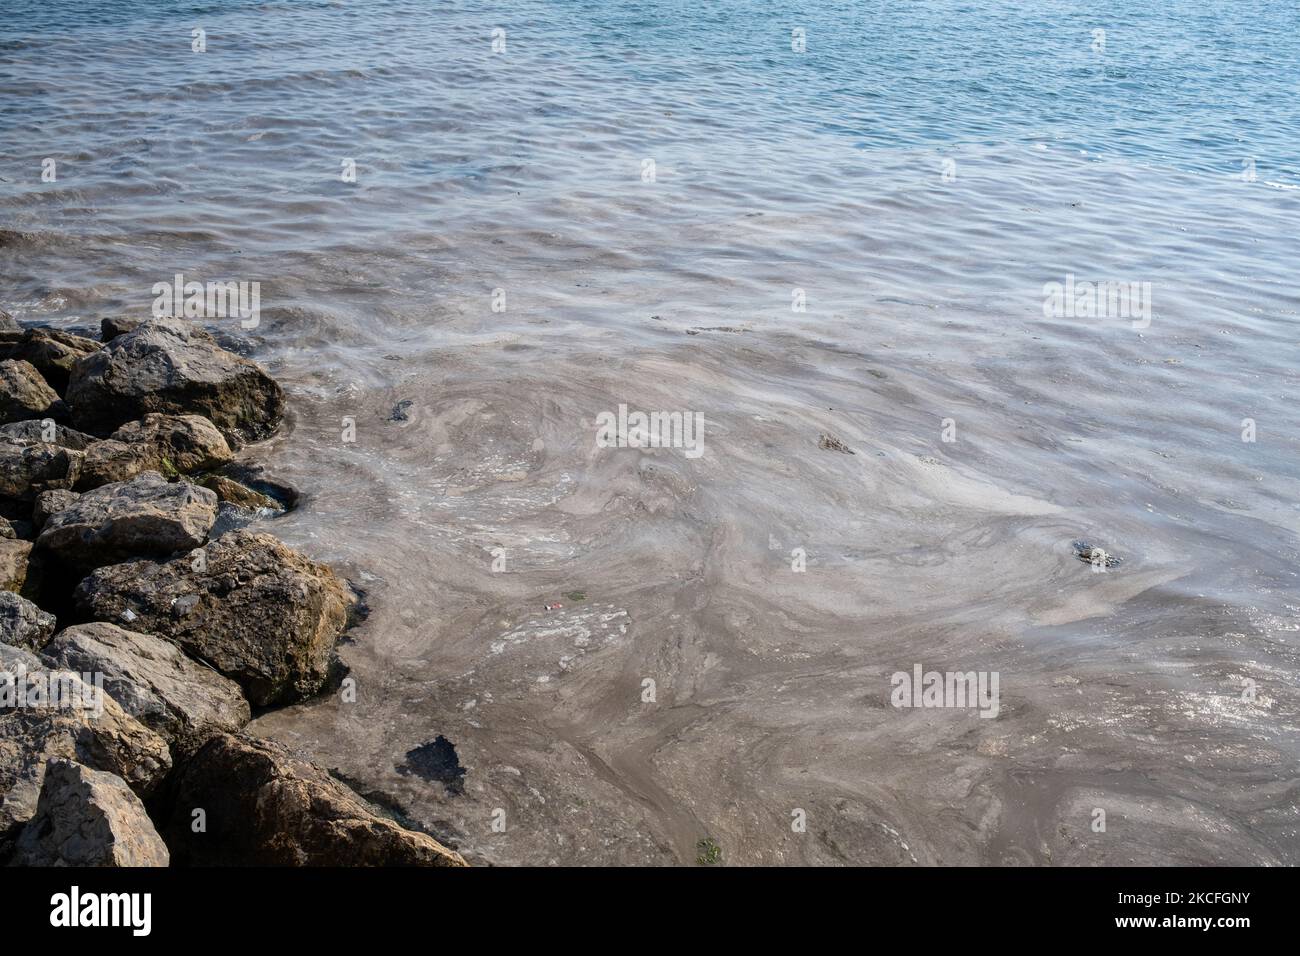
x,y
824,172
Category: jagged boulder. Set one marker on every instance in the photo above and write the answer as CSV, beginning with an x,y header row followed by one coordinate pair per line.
x,y
75,720
28,469
283,811
178,698
50,351
88,817
8,323
23,624
167,365
146,516
259,612
50,503
25,394
170,444
36,430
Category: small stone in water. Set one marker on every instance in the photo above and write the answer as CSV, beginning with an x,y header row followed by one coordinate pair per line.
x,y
1091,554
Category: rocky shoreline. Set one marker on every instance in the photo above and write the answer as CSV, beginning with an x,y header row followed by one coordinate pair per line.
x,y
142,622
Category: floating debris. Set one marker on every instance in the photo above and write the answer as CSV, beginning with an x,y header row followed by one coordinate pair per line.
x,y
551,607
710,852
1089,553
831,443
713,328
400,411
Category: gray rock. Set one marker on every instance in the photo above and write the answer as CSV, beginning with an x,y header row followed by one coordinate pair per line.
x,y
171,444
255,476
146,516
259,612
36,430
178,698
50,351
50,503
8,323
22,623
106,739
28,469
11,657
88,817
24,393
110,328
167,365
284,811
238,495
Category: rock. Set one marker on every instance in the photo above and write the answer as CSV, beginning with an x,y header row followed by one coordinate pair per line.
x,y
254,476
171,444
25,394
88,817
27,470
15,556
50,351
259,612
7,529
284,811
8,323
146,516
103,738
11,657
241,496
36,430
179,699
51,503
1098,557
166,365
116,325
23,624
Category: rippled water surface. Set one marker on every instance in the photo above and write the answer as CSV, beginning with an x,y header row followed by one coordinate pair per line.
x,y
914,177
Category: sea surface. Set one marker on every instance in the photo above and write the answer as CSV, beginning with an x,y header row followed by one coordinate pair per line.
x,y
818,225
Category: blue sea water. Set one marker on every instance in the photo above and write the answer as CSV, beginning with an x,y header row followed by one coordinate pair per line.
x,y
414,92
